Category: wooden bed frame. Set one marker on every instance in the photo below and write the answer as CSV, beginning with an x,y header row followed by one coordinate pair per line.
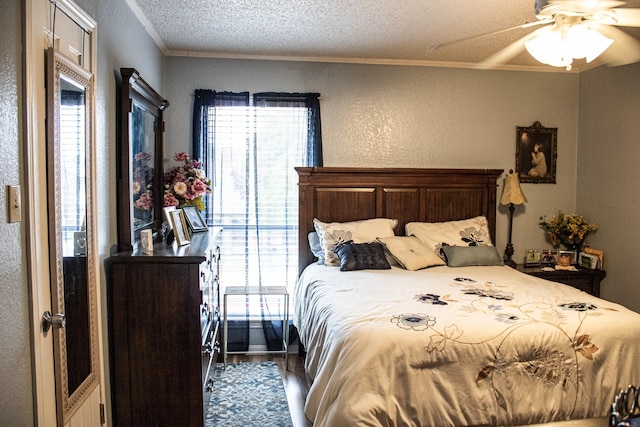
x,y
337,194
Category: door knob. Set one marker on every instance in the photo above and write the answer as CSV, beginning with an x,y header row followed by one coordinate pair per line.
x,y
49,320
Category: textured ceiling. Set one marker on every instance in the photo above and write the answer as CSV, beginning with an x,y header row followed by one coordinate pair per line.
x,y
366,31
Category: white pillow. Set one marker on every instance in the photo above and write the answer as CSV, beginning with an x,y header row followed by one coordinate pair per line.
x,y
466,232
364,231
410,253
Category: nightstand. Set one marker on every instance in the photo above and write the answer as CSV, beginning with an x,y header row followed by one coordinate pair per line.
x,y
584,279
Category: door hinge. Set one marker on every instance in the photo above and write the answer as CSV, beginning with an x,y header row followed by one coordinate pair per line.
x,y
102,417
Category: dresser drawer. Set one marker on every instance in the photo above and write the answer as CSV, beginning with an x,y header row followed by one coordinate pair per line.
x,y
210,350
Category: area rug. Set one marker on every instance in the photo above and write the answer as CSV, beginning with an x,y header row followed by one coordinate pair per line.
x,y
248,394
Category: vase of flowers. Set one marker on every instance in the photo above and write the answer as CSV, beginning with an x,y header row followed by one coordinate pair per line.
x,y
569,230
186,184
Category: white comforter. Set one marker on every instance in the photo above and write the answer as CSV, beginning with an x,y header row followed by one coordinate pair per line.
x,y
459,347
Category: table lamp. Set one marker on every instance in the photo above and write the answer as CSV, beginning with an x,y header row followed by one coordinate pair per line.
x,y
511,195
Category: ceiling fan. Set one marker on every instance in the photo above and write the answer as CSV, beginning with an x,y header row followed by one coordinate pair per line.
x,y
572,29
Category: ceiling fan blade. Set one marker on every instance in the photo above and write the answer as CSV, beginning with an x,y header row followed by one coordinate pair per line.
x,y
508,52
624,50
492,33
620,17
582,6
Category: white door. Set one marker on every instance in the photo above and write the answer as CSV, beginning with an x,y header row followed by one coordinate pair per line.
x,y
54,407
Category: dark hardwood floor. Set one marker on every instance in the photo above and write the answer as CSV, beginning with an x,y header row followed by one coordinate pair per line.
x,y
294,379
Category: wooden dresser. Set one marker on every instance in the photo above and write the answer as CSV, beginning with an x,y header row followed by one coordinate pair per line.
x,y
164,322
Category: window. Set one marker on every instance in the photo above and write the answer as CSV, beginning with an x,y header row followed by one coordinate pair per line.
x,y
250,147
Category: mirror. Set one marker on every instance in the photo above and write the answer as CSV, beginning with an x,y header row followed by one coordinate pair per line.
x,y
71,246
140,131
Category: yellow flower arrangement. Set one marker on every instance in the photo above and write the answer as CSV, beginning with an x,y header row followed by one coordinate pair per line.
x,y
570,230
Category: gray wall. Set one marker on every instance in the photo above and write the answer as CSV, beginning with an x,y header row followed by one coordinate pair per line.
x,y
16,402
377,115
608,184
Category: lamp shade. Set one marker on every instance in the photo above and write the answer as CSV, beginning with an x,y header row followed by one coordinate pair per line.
x,y
512,192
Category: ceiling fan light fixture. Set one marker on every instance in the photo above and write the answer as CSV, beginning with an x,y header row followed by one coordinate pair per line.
x,y
559,45
584,42
549,48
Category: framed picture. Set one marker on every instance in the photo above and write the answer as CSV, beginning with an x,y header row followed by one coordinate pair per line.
x,y
536,154
586,260
167,215
599,254
180,229
532,257
571,254
549,257
194,219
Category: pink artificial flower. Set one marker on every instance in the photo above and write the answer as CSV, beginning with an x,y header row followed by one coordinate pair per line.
x,y
181,157
170,200
199,188
145,202
142,156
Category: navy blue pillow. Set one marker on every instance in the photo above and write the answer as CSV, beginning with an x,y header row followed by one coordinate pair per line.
x,y
361,256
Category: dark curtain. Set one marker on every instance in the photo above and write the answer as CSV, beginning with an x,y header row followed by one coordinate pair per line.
x,y
204,126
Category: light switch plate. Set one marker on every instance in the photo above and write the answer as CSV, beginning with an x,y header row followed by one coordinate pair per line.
x,y
14,204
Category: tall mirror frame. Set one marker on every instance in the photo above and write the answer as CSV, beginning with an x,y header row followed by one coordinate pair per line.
x,y
72,250
140,131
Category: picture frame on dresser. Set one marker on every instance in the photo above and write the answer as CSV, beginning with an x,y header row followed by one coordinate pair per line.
x,y
532,257
549,257
167,215
180,228
573,255
536,153
194,219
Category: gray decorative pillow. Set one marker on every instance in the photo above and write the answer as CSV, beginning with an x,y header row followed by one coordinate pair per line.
x,y
316,247
361,256
462,256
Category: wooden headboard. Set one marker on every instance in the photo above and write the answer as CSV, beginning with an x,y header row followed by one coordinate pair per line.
x,y
336,194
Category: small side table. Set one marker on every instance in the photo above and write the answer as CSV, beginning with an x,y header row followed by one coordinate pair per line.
x,y
584,279
258,290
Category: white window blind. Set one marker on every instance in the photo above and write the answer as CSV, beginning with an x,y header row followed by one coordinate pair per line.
x,y
251,159
72,169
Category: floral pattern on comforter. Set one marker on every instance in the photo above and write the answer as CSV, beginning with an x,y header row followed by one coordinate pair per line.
x,y
464,346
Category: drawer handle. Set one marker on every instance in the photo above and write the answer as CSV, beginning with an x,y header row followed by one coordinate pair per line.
x,y
208,349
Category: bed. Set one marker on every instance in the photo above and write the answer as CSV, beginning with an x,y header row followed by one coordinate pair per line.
x,y
476,344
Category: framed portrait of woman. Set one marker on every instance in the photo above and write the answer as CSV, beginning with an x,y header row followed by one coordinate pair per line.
x,y
536,153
